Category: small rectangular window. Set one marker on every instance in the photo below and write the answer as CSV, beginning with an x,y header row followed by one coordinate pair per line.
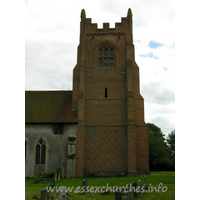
x,y
58,129
106,93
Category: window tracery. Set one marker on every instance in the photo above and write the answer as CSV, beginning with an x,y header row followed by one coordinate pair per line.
x,y
106,57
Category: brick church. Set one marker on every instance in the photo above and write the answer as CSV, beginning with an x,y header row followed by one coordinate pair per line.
x,y
97,129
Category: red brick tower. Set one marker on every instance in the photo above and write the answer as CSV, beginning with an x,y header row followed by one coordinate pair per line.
x,y
112,136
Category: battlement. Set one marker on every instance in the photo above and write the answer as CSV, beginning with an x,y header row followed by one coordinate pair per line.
x,y
89,28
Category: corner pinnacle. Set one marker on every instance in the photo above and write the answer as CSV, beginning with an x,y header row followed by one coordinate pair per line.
x,y
129,13
83,15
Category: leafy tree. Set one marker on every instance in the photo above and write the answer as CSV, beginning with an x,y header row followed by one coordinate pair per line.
x,y
159,151
171,143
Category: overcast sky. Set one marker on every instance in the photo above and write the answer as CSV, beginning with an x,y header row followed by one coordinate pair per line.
x,y
52,37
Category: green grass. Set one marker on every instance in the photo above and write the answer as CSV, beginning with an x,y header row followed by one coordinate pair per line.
x,y
167,178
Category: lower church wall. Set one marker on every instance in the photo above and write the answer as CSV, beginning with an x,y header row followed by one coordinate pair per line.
x,y
56,138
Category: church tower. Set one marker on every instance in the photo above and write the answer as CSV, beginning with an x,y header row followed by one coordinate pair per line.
x,y
112,137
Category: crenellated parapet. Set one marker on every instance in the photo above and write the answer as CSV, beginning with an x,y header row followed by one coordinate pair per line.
x,y
89,28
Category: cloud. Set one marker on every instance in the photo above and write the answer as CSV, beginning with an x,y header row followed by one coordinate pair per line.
x,y
158,93
46,66
159,101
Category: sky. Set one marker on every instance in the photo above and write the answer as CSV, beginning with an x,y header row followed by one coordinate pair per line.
x,y
52,30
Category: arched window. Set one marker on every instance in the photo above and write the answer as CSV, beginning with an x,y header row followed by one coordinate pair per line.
x,y
106,56
40,152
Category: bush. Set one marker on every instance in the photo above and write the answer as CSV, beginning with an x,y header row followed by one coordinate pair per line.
x,y
44,177
47,176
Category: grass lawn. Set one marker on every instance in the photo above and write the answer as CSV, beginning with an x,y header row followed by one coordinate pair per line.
x,y
166,191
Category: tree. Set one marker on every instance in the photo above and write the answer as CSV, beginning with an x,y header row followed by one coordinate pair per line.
x,y
159,151
171,143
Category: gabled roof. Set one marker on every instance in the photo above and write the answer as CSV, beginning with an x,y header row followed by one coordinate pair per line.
x,y
49,107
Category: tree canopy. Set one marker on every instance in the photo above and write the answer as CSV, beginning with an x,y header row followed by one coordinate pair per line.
x,y
160,153
171,143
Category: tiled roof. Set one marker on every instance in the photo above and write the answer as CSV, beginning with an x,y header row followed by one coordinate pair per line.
x,y
49,107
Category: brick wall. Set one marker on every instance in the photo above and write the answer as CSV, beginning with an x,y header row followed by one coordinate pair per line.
x,y
105,151
112,136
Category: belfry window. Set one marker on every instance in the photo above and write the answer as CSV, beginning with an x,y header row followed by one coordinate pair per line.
x,y
40,152
106,56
